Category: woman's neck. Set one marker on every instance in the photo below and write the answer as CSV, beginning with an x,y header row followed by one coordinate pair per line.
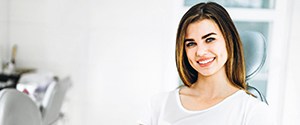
x,y
216,85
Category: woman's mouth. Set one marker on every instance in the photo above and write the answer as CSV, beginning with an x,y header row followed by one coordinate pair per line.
x,y
205,62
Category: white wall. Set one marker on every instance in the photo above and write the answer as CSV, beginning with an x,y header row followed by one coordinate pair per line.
x,y
129,43
118,53
3,28
291,114
53,35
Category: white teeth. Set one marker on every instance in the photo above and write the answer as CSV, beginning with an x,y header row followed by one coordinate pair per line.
x,y
206,61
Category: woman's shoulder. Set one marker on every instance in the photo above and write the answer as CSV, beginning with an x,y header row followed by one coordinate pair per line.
x,y
158,99
256,111
253,102
152,110
250,102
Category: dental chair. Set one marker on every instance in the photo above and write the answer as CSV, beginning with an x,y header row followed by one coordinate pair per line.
x,y
255,56
53,101
16,108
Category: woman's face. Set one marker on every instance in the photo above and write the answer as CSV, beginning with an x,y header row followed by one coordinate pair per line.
x,y
205,47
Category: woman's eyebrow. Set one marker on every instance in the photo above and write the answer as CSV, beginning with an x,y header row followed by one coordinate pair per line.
x,y
203,37
185,40
207,35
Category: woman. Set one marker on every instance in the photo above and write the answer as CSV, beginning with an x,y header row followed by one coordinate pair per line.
x,y
210,62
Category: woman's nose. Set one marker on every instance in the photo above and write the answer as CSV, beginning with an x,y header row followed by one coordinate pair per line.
x,y
201,50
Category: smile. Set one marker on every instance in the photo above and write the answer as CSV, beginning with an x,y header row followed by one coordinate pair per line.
x,y
205,62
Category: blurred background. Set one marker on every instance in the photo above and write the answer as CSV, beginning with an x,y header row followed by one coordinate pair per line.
x,y
119,53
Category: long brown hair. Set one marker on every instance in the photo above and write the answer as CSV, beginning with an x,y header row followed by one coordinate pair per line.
x,y
235,65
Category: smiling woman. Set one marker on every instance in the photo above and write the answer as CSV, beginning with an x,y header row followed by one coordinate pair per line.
x,y
204,42
210,62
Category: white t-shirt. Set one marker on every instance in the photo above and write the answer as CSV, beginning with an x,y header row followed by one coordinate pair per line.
x,y
237,109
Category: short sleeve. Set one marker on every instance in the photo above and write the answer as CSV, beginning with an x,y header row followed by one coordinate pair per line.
x,y
151,111
145,115
260,115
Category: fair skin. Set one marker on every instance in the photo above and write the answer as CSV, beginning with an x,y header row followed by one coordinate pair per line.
x,y
206,51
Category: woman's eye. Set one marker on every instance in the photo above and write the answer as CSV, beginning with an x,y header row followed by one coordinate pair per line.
x,y
190,44
208,40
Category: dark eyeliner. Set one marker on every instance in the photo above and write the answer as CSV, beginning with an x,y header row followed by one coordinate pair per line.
x,y
189,43
210,39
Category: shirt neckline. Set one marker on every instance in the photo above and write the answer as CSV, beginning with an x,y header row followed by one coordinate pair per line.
x,y
178,100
